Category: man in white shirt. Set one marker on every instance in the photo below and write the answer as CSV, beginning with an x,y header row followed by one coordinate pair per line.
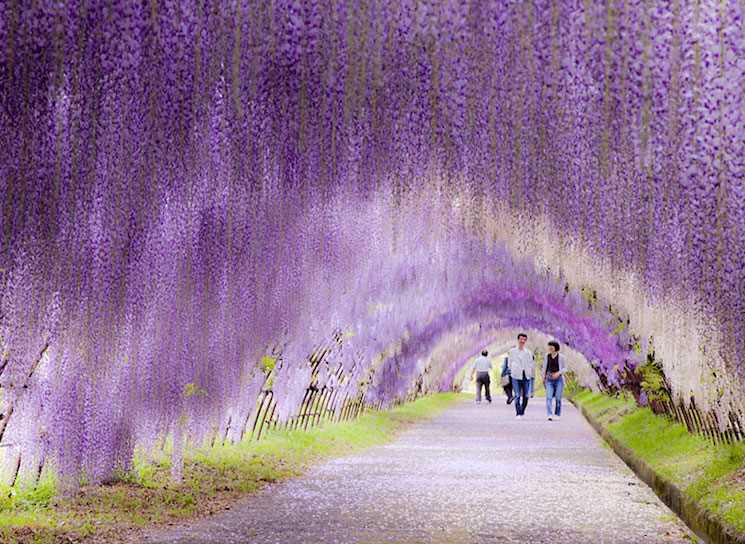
x,y
482,366
521,369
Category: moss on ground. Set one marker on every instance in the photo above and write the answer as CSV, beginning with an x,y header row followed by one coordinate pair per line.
x,y
213,479
711,474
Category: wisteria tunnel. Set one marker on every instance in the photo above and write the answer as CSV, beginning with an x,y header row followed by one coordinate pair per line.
x,y
204,201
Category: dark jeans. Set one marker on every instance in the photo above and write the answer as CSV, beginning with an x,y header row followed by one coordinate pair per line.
x,y
521,395
482,379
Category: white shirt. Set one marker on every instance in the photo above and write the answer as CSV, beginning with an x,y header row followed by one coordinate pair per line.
x,y
521,359
482,364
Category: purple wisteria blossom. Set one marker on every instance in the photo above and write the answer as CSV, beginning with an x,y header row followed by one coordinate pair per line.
x,y
190,187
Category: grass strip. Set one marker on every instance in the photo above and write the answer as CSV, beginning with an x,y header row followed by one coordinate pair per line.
x,y
711,476
213,479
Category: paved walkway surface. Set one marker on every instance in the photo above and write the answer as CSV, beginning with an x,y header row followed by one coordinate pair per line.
x,y
474,474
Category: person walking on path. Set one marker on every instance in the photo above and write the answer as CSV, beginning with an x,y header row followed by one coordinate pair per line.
x,y
521,368
507,380
554,367
482,367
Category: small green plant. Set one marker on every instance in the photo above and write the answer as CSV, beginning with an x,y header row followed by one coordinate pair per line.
x,y
193,390
267,363
653,380
571,385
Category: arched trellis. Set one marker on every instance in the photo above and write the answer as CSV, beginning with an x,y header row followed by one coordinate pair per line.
x,y
182,187
335,398
487,311
504,291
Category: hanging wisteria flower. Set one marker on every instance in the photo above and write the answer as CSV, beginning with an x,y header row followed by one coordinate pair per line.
x,y
192,189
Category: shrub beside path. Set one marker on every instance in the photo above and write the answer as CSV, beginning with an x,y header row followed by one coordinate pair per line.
x,y
474,473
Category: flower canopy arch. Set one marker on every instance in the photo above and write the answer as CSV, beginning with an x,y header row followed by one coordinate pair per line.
x,y
188,187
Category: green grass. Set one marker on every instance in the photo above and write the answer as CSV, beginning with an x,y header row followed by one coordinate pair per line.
x,y
713,475
213,479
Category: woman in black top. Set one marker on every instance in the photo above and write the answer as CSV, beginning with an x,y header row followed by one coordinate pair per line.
x,y
554,367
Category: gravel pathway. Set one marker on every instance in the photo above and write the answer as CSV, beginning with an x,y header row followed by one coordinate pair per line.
x,y
474,474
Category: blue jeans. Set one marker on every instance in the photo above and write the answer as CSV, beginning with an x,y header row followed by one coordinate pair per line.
x,y
520,390
554,389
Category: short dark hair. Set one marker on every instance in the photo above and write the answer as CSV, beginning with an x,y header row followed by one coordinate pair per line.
x,y
555,344
522,334
484,353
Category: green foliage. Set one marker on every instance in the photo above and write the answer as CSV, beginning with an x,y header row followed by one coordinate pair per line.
x,y
267,363
619,327
147,471
653,380
711,474
193,390
571,385
590,295
27,497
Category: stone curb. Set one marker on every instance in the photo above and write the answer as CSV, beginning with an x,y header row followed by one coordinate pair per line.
x,y
703,522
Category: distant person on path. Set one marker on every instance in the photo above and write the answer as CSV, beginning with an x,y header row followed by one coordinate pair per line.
x,y
507,380
521,368
554,367
482,367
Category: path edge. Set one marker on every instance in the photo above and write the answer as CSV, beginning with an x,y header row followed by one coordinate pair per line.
x,y
703,522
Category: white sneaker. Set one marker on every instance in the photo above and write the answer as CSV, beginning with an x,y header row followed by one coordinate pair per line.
x,y
549,418
517,416
557,418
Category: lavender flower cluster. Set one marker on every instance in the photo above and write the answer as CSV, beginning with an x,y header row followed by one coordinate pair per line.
x,y
187,186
